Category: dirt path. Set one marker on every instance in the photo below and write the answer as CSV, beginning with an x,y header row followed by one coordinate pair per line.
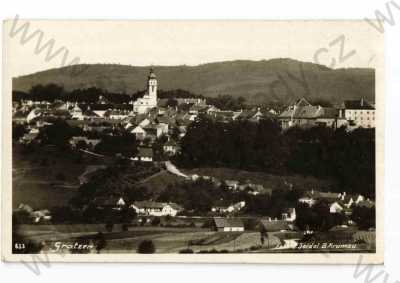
x,y
173,170
151,177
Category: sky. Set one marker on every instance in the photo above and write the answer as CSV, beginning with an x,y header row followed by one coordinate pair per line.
x,y
143,43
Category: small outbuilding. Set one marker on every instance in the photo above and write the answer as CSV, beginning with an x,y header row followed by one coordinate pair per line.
x,y
268,225
228,224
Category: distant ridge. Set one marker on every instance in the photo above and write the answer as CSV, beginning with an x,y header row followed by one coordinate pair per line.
x,y
258,81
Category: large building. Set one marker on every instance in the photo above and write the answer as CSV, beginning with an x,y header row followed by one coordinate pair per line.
x,y
358,113
149,100
303,114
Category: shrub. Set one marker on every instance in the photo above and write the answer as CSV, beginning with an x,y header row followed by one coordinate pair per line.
x,y
100,242
60,176
360,242
250,224
146,247
186,251
156,221
254,248
209,223
109,226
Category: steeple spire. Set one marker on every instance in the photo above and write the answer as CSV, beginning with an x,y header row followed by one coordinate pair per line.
x,y
152,86
152,75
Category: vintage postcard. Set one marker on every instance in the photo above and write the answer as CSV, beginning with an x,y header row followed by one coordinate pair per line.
x,y
193,141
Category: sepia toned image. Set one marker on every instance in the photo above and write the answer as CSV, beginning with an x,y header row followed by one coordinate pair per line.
x,y
193,141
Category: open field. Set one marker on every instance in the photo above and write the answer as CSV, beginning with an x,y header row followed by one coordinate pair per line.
x,y
174,240
52,177
44,177
160,181
367,236
166,240
270,182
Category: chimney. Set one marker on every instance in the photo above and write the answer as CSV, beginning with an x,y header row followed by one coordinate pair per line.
x,y
362,101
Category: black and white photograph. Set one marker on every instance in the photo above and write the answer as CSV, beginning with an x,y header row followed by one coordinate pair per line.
x,y
233,141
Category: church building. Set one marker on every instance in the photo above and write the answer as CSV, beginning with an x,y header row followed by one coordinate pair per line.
x,y
149,100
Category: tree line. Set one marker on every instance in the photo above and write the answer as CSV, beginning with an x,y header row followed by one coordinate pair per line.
x,y
52,92
346,157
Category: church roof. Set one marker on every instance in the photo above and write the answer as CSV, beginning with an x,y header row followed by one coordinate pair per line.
x,y
152,75
357,105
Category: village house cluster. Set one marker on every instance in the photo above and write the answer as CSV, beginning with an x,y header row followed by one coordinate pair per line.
x,y
352,114
150,118
227,218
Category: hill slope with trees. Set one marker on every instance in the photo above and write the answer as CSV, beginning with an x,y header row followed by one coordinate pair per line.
x,y
257,81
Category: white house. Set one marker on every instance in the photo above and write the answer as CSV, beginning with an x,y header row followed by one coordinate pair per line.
x,y
139,133
335,208
164,128
156,208
33,114
307,200
40,215
116,114
34,131
289,215
232,184
100,113
121,202
76,112
231,208
144,123
346,200
359,199
144,154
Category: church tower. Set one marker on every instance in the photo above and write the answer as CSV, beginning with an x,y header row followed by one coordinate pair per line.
x,y
152,87
149,100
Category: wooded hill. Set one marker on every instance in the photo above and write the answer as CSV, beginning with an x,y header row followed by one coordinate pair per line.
x,y
276,80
